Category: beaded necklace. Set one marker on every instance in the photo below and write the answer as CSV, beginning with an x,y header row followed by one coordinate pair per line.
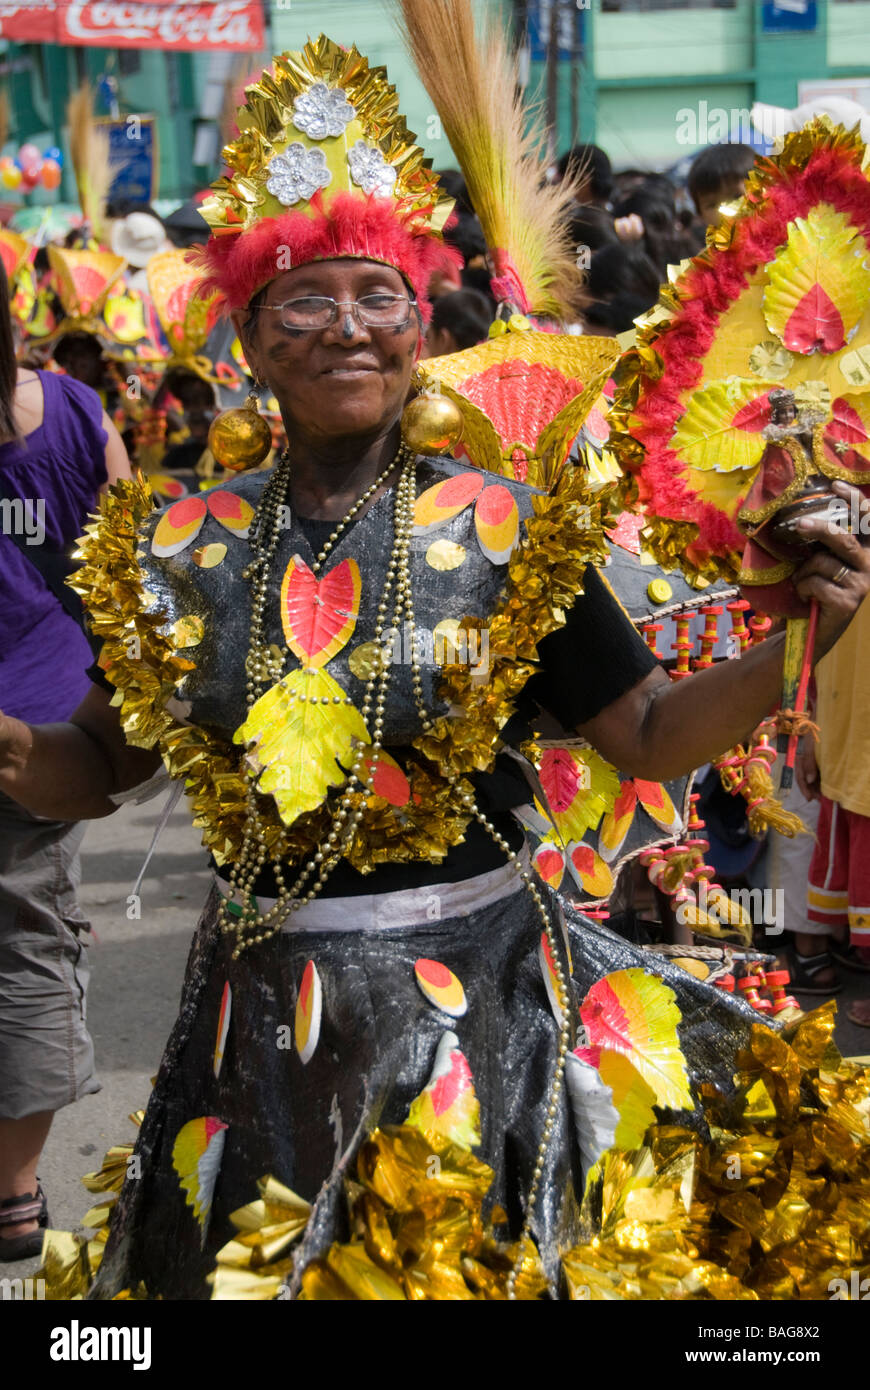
x,y
251,927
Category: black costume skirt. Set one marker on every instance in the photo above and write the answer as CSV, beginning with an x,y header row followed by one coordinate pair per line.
x,y
302,1123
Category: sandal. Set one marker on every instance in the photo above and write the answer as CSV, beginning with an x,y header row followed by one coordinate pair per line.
x,y
848,955
856,1018
13,1210
804,977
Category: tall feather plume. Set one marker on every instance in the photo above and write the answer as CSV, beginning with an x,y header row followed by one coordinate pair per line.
x,y
473,85
89,150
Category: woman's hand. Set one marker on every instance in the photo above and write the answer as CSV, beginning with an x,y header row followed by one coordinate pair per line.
x,y
838,575
13,743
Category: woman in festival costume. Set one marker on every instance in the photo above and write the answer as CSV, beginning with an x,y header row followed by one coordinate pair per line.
x,y
374,939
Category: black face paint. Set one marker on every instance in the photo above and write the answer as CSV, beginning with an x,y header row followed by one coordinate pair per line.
x,y
348,330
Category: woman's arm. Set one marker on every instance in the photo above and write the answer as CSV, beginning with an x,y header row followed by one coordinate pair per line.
x,y
663,729
117,462
69,771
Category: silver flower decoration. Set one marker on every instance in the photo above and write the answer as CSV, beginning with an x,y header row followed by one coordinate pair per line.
x,y
369,170
297,173
322,111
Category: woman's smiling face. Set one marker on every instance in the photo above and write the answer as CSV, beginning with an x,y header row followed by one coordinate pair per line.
x,y
338,381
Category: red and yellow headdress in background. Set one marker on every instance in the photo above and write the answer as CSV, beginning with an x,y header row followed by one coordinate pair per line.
x,y
84,280
186,316
324,166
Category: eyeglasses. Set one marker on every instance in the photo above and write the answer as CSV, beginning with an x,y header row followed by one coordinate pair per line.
x,y
319,311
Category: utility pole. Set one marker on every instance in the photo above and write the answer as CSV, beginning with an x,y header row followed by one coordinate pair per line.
x,y
552,104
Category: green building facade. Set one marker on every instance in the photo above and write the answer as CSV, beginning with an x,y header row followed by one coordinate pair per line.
x,y
649,80
647,67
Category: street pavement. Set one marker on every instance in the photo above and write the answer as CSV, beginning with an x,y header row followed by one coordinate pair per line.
x,y
136,972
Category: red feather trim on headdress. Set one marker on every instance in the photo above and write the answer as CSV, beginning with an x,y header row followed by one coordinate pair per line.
x,y
368,228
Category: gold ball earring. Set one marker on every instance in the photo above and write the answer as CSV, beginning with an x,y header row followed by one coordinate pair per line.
x,y
241,438
431,423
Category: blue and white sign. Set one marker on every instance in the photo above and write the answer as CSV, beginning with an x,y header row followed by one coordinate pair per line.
x,y
133,157
789,16
569,19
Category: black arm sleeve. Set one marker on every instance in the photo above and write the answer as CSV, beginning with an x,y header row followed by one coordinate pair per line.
x,y
97,677
590,662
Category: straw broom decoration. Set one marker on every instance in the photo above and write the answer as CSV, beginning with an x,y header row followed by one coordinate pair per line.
x,y
89,150
473,86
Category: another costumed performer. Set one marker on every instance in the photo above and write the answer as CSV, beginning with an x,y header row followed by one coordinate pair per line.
x,y
371,887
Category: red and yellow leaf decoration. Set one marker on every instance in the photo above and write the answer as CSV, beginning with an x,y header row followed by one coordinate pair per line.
x,y
497,522
722,426
617,822
656,801
309,1009
223,1029
818,285
302,735
632,1098
847,439
383,776
168,486
445,500
549,861
179,525
319,615
441,987
591,872
232,511
780,297
548,973
448,1105
636,1015
579,786
196,1158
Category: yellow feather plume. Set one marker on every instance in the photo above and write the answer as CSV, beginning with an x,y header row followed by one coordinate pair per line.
x,y
472,81
89,150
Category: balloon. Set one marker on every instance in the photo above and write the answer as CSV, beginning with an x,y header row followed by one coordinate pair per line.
x,y
29,157
29,179
6,161
50,174
55,154
11,176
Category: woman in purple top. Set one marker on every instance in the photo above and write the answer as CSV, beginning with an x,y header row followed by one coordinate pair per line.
x,y
58,450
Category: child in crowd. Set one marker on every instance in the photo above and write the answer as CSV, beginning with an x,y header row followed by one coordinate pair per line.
x,y
717,176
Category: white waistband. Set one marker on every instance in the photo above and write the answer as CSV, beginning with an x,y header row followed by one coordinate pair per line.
x,y
411,907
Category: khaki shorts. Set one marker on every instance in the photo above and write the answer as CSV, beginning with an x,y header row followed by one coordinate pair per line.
x,y
46,1053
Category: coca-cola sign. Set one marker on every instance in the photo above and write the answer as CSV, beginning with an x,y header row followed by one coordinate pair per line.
x,y
33,22
161,24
